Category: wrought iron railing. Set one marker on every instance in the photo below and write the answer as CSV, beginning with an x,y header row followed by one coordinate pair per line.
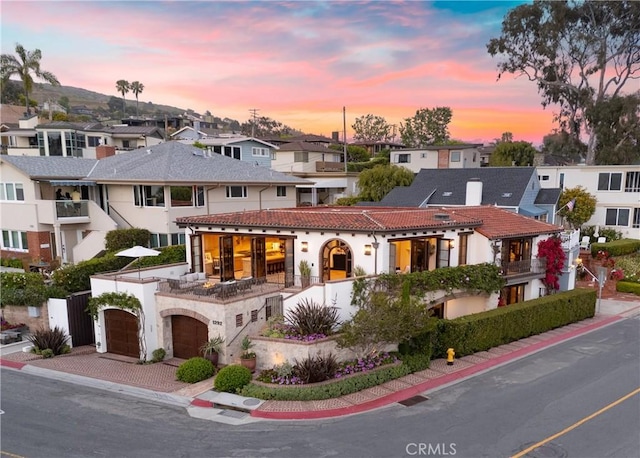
x,y
525,266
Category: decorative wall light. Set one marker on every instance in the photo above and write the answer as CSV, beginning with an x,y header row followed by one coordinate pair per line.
x,y
304,246
452,244
367,250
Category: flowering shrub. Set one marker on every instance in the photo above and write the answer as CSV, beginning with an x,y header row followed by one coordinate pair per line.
x,y
278,329
5,325
606,260
364,364
551,250
617,274
307,338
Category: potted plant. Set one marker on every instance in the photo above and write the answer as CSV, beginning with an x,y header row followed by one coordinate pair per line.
x,y
212,348
248,357
305,273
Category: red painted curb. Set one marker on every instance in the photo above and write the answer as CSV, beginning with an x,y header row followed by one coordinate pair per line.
x,y
201,403
13,364
433,383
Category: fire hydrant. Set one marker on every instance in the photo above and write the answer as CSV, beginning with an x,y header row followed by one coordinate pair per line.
x,y
450,356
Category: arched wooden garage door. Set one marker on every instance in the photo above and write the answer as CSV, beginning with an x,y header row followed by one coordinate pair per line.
x,y
188,336
122,333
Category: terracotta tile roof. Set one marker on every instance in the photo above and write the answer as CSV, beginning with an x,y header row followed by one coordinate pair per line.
x,y
498,223
379,219
492,222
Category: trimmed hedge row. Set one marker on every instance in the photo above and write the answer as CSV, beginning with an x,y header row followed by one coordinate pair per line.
x,y
76,277
628,287
485,330
616,247
329,390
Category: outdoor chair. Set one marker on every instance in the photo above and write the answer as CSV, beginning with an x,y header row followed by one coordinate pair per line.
x,y
602,240
585,243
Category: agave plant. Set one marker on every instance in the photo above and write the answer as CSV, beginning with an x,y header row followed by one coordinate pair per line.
x,y
53,339
309,317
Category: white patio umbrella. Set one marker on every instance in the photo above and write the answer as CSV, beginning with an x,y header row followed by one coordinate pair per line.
x,y
138,252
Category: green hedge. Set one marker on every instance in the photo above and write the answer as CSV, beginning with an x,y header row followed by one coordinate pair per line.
x,y
12,262
485,330
168,255
628,287
121,239
329,390
76,277
616,247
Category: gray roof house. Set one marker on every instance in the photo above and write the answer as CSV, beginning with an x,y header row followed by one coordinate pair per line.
x,y
514,188
146,188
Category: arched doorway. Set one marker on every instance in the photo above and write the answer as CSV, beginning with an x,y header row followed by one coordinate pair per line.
x,y
336,260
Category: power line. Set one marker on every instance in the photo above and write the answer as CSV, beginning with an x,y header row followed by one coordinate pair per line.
x,y
254,116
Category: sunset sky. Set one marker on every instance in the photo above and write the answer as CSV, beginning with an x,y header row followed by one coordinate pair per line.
x,y
298,62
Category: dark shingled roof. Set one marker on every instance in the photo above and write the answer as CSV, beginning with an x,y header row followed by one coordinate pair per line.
x,y
548,196
502,186
51,167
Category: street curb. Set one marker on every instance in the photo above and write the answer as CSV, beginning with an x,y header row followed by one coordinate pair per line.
x,y
436,382
12,364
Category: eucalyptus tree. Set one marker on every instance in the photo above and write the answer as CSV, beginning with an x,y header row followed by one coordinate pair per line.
x,y
371,128
429,126
24,65
123,88
136,87
578,52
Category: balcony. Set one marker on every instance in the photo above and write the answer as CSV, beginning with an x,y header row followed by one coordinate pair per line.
x,y
524,269
322,166
72,209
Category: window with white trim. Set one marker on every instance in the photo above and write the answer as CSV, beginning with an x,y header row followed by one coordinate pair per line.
x,y
609,181
11,191
403,158
259,152
281,191
636,218
617,217
185,196
455,156
236,192
148,196
300,156
14,240
273,155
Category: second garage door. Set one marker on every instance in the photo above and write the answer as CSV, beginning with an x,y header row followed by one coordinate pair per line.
x,y
189,335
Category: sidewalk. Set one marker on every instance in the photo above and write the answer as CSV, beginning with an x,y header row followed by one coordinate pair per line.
x,y
157,381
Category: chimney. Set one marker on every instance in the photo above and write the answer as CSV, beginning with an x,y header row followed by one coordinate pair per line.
x,y
335,137
103,151
474,192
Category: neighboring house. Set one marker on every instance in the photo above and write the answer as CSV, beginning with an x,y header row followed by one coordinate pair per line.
x,y
375,148
247,149
437,157
316,162
615,187
513,188
49,105
147,188
66,139
18,135
262,250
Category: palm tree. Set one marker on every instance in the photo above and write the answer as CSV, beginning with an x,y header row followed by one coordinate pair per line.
x,y
27,63
136,87
123,87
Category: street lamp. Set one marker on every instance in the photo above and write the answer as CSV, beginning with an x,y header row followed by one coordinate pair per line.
x,y
601,278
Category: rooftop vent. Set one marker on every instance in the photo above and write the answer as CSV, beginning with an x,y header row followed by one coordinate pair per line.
x,y
441,216
446,194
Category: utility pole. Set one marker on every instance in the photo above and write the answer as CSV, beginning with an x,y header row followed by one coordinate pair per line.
x,y
344,135
254,116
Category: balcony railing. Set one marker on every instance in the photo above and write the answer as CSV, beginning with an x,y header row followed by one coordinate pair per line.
x,y
536,266
322,166
72,209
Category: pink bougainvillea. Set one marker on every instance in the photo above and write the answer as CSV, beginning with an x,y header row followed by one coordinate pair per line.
x,y
551,250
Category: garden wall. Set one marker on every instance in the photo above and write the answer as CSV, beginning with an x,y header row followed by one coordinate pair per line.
x,y
271,352
16,314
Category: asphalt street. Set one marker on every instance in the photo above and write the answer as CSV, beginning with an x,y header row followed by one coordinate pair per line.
x,y
560,400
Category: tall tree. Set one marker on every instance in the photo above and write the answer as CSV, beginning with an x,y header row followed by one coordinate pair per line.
x,y
123,88
26,64
426,127
136,87
512,153
561,145
617,121
583,208
577,52
371,128
376,183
